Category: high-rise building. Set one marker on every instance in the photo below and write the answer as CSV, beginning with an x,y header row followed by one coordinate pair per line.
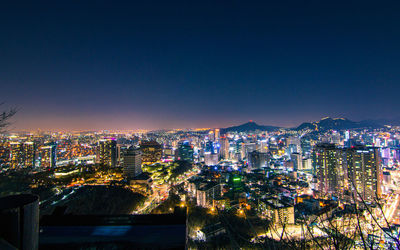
x,y
224,148
263,146
185,151
216,135
293,143
121,150
107,152
29,154
297,161
151,151
364,172
16,154
132,162
47,156
331,173
257,160
210,159
247,148
356,169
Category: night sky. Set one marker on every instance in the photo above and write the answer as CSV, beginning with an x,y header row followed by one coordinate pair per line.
x,y
109,65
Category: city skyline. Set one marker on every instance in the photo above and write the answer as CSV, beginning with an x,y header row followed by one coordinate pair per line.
x,y
170,65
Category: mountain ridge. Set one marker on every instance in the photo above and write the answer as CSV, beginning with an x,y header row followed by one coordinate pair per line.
x,y
326,123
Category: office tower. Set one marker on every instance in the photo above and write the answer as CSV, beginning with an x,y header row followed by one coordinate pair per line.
x,y
209,147
211,136
257,160
151,151
347,135
121,149
294,144
206,192
273,146
16,154
216,135
185,151
29,154
210,159
247,148
297,161
335,138
330,170
237,149
47,156
306,164
107,152
169,154
263,146
224,148
364,167
132,162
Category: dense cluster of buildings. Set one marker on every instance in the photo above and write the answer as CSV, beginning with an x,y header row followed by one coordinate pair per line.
x,y
282,174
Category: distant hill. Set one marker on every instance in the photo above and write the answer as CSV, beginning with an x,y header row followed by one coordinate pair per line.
x,y
392,122
337,124
249,126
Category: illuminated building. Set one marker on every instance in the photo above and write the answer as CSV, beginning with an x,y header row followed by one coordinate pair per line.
x,y
235,183
29,154
364,167
263,146
185,151
210,159
278,213
306,164
224,148
207,192
151,150
121,149
216,134
294,145
247,148
47,156
236,153
107,152
331,174
257,160
297,161
169,154
211,136
356,168
132,162
16,154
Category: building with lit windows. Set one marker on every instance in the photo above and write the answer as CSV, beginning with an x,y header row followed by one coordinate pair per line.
x,y
224,152
132,162
330,170
47,156
355,170
257,160
29,154
207,192
151,151
364,172
210,159
16,154
278,213
107,152
297,161
185,151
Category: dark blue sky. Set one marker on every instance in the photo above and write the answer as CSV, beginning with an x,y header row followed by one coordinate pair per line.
x,y
198,64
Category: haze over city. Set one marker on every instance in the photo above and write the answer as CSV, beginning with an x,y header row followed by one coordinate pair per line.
x,y
212,64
